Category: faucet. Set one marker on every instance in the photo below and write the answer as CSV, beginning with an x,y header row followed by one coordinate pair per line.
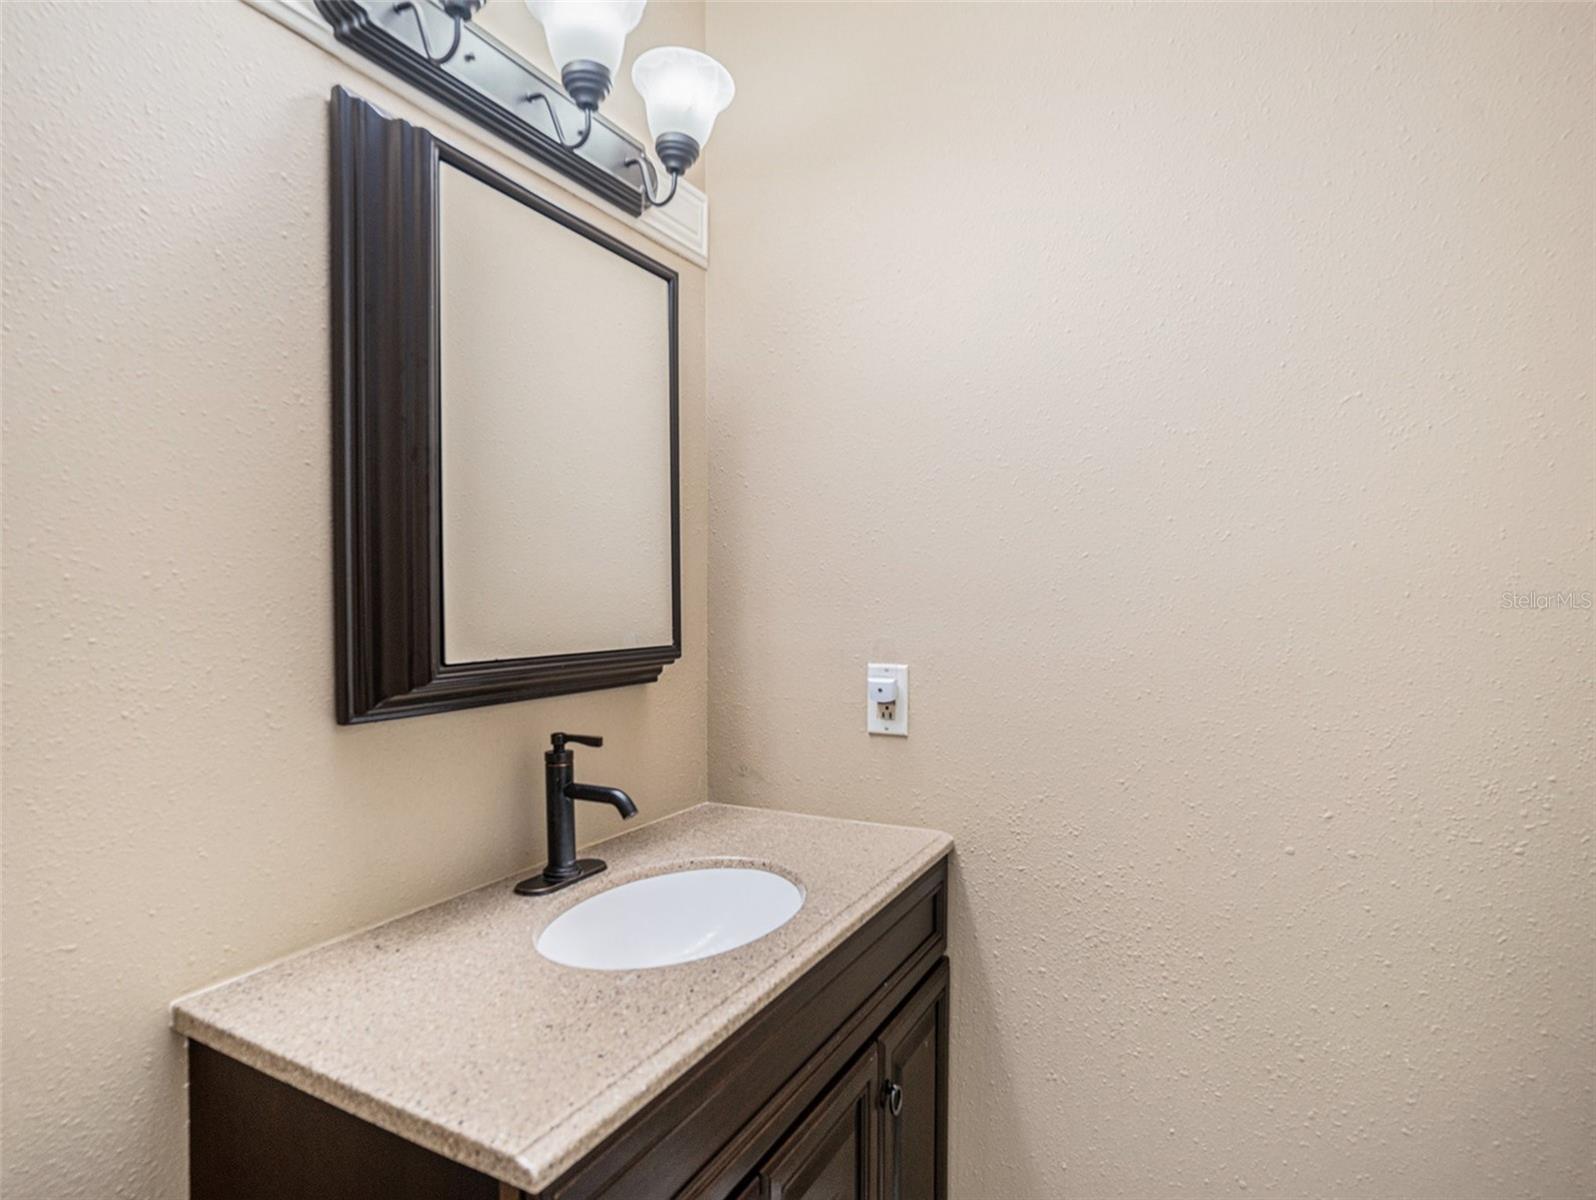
x,y
564,867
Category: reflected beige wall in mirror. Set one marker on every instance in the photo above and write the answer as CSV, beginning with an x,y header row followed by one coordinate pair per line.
x,y
556,435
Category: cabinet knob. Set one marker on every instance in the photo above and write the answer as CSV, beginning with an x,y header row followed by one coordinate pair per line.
x,y
892,1097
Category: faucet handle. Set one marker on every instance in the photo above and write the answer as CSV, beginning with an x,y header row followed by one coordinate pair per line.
x,y
581,739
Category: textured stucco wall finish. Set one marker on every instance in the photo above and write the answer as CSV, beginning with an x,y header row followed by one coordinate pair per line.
x,y
178,804
1176,388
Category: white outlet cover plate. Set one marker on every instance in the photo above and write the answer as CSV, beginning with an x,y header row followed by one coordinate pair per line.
x,y
891,720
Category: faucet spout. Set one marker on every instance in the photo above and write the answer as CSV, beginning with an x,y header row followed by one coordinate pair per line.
x,y
614,797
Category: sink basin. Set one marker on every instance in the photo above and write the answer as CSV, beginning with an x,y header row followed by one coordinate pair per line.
x,y
667,919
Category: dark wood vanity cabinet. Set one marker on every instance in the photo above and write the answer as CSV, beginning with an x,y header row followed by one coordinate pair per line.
x,y
880,1131
837,1089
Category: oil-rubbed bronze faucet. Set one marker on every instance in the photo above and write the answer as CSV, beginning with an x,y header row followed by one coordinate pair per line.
x,y
564,867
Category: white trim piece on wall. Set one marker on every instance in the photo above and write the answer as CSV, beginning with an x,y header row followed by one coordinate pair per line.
x,y
682,225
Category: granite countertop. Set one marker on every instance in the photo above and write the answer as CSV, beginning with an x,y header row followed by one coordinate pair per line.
x,y
448,1028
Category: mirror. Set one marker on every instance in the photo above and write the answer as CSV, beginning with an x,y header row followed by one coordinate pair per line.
x,y
506,495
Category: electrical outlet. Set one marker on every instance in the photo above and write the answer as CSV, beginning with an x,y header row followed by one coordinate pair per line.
x,y
887,699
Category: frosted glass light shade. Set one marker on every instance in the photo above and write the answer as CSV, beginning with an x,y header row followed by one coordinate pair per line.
x,y
587,30
683,90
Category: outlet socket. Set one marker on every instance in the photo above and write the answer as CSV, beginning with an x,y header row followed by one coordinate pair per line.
x,y
887,699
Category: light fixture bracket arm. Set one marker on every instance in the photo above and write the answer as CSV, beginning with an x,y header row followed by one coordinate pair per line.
x,y
651,196
554,119
460,11
677,152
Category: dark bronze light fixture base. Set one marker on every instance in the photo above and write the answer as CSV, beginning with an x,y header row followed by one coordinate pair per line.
x,y
677,151
541,885
586,83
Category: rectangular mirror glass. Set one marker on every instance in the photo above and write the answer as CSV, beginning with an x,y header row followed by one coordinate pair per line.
x,y
556,465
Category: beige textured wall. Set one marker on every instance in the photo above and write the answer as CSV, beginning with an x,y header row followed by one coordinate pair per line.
x,y
178,804
1177,389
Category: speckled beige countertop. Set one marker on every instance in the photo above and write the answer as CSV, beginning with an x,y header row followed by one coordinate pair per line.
x,y
448,1028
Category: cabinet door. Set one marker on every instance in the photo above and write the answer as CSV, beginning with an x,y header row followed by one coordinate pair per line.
x,y
832,1153
914,1094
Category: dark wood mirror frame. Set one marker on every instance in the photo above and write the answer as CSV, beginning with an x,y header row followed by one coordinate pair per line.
x,y
387,509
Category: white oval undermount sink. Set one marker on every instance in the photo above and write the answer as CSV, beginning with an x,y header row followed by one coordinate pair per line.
x,y
675,918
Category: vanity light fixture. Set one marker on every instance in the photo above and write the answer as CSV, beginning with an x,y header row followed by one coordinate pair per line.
x,y
683,90
586,38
